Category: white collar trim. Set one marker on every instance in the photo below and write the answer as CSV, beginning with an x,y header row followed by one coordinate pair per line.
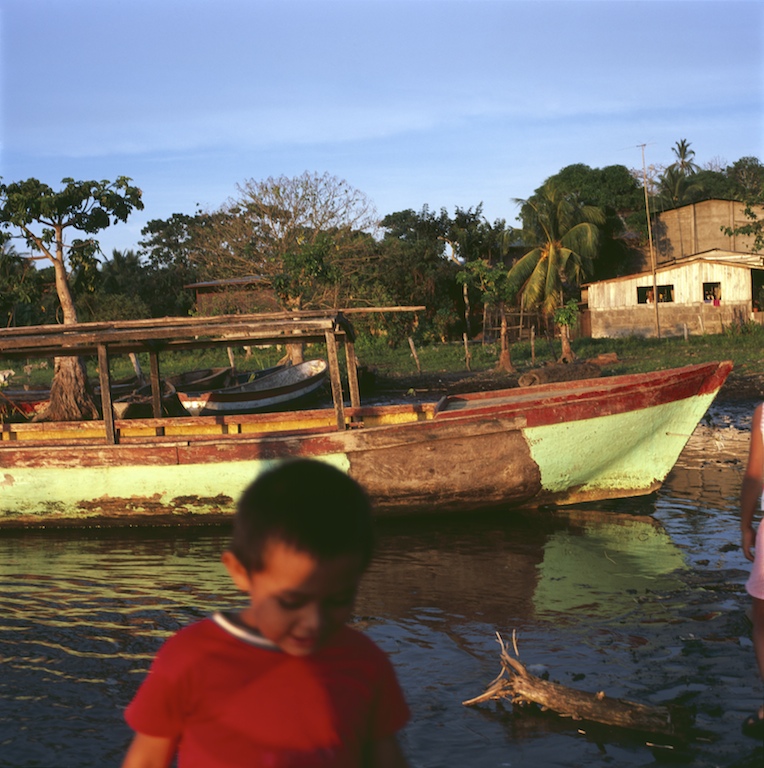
x,y
250,636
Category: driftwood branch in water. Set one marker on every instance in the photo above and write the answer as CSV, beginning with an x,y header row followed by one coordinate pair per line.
x,y
516,683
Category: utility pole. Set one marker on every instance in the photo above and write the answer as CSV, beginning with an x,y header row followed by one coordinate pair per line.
x,y
650,241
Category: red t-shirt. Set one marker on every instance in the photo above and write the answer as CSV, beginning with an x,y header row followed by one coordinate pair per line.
x,y
231,699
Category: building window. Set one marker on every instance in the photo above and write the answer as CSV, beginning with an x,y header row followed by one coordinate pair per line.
x,y
665,293
712,293
645,295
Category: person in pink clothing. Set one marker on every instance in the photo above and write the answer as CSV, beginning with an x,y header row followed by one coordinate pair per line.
x,y
284,683
753,548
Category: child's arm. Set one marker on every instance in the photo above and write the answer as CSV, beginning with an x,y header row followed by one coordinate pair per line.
x,y
750,495
386,753
149,752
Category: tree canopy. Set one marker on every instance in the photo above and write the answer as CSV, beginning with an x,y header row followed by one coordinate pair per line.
x,y
41,217
563,235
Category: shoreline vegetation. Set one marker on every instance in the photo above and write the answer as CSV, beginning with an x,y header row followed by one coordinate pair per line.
x,y
440,368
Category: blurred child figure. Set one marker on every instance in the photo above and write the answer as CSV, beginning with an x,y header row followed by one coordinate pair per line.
x,y
753,549
284,682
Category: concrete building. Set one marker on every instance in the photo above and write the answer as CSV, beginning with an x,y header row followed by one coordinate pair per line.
x,y
705,280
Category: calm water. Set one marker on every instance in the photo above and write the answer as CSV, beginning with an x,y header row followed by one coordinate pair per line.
x,y
641,598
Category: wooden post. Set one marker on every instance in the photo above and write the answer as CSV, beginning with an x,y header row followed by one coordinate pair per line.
x,y
334,378
136,366
352,363
156,385
467,356
416,356
105,377
533,345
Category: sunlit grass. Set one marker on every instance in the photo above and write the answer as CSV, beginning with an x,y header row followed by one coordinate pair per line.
x,y
744,346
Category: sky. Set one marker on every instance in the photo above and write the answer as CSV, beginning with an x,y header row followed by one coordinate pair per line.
x,y
442,103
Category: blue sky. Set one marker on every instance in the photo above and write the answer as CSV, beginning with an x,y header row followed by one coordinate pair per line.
x,y
437,102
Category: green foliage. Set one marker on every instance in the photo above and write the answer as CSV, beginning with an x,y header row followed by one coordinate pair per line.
x,y
86,206
617,193
755,226
568,314
685,162
491,280
40,216
20,289
411,268
564,235
302,268
112,306
747,328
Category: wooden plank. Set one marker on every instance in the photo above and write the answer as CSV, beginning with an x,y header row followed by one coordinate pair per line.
x,y
156,385
106,407
334,378
352,363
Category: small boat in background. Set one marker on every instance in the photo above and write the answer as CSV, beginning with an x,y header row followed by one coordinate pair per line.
x,y
23,402
202,380
269,388
136,403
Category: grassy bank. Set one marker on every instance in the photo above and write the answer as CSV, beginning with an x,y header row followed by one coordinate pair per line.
x,y
635,355
745,347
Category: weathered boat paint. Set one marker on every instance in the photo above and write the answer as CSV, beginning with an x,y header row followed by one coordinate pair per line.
x,y
557,443
282,385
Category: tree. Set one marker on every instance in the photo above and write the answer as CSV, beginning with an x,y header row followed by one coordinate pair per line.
x,y
676,188
755,226
684,163
566,317
616,191
120,287
564,235
20,289
492,280
170,247
301,234
470,236
412,268
746,176
41,216
298,232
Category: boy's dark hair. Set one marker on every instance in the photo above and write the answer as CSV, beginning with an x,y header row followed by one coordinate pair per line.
x,y
309,505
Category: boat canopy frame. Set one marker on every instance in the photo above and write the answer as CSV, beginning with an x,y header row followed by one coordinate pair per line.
x,y
155,335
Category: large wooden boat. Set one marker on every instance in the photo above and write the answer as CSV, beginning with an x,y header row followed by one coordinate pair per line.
x,y
556,443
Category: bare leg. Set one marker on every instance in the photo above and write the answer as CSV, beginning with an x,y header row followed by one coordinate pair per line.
x,y
757,616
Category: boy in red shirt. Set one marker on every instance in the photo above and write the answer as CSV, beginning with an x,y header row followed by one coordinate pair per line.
x,y
284,682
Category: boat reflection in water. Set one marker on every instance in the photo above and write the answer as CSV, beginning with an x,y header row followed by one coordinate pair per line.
x,y
520,566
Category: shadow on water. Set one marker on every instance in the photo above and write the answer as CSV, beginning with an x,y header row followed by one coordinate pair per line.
x,y
642,598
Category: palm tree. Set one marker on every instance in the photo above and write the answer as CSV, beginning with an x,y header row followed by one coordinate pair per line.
x,y
565,237
684,162
676,188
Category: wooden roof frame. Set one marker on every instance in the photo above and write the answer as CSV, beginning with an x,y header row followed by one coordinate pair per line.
x,y
179,333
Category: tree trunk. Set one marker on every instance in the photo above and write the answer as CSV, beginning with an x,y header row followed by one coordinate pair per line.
x,y
71,398
70,395
559,372
505,360
568,356
295,353
466,296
